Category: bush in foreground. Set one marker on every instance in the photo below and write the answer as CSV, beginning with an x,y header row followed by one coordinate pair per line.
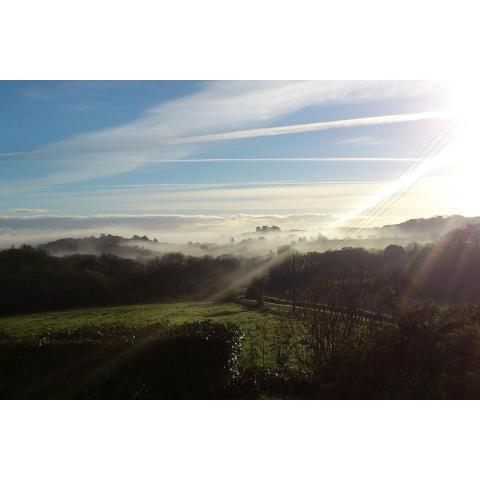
x,y
425,353
195,360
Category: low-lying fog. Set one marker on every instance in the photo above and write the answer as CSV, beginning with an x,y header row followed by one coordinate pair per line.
x,y
247,235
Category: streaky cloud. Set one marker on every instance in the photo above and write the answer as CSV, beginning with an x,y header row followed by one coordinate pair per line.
x,y
175,130
314,127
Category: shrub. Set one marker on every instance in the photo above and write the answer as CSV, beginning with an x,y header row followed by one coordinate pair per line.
x,y
195,360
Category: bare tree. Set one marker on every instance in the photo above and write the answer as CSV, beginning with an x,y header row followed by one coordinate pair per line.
x,y
327,317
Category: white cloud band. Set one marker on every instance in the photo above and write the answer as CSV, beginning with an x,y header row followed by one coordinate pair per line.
x,y
314,127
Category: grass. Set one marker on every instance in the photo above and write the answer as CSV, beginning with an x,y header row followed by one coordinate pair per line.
x,y
259,326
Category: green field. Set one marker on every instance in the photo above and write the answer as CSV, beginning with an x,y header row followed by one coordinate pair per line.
x,y
259,327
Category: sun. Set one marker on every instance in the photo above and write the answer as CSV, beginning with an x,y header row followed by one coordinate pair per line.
x,y
463,155
464,99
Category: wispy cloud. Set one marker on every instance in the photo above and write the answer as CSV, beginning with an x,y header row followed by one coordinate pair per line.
x,y
275,197
242,160
37,93
219,111
361,141
19,153
313,127
28,211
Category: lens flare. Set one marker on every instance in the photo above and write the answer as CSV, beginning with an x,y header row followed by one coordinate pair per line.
x,y
464,191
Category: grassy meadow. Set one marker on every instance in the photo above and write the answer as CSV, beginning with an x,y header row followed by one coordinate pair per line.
x,y
259,327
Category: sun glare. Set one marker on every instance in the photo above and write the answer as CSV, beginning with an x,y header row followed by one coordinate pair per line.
x,y
464,100
454,166
464,154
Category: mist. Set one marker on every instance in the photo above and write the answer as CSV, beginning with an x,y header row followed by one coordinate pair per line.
x,y
146,236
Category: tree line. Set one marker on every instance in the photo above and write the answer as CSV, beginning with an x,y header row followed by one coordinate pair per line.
x,y
447,271
33,280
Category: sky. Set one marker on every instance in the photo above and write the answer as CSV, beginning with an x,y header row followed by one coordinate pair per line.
x,y
192,158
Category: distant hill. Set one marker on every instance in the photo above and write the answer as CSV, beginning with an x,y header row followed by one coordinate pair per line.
x,y
264,240
136,247
426,229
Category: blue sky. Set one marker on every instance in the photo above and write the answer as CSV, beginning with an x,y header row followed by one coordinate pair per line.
x,y
209,148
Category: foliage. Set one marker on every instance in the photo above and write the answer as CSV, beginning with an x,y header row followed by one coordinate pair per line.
x,y
144,316
358,327
194,360
31,280
447,272
425,353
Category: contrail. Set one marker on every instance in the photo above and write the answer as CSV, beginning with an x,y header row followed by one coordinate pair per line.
x,y
311,127
281,130
18,154
219,160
